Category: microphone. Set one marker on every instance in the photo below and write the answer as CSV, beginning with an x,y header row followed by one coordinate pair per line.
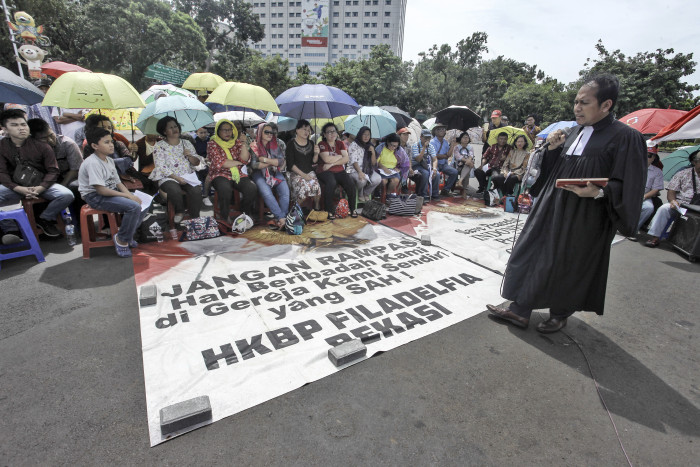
x,y
567,131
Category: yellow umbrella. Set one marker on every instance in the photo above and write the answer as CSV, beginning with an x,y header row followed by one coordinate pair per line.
x,y
243,95
77,90
203,81
317,123
122,119
512,132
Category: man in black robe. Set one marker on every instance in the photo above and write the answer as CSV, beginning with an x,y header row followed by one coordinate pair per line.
x,y
560,260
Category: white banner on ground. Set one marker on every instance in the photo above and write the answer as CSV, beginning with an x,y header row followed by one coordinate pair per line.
x,y
247,325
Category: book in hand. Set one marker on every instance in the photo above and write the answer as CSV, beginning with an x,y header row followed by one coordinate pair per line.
x,y
562,182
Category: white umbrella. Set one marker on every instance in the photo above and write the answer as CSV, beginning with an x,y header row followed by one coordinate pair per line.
x,y
247,118
429,123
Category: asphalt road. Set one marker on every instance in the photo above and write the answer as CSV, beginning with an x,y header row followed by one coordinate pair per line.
x,y
477,393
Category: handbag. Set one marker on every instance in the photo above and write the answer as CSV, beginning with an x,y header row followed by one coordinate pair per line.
x,y
317,216
374,210
342,210
403,205
491,197
294,224
199,228
26,174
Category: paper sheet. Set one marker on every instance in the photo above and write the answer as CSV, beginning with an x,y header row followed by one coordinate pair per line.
x,y
145,198
192,179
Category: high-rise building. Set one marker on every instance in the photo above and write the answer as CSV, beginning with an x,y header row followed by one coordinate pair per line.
x,y
317,32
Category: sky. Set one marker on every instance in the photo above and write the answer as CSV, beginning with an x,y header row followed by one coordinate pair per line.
x,y
559,36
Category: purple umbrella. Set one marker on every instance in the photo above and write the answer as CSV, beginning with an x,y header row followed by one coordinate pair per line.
x,y
315,101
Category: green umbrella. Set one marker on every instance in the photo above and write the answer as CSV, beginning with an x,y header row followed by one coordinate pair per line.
x,y
677,160
76,90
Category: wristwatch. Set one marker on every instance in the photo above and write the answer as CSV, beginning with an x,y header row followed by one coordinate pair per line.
x,y
601,194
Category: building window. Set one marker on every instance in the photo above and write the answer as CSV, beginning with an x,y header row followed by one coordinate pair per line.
x,y
354,36
273,25
262,15
334,56
280,15
365,46
273,15
374,25
365,36
256,4
281,25
354,25
347,13
387,13
355,2
354,13
335,14
291,36
388,2
335,46
387,25
298,36
347,25
274,36
336,3
353,46
347,36
386,36
367,13
348,2
335,36
257,46
263,46
374,13
375,2
346,46
274,46
366,25
335,25
373,36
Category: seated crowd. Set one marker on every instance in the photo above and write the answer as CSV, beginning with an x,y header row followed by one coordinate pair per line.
x,y
98,169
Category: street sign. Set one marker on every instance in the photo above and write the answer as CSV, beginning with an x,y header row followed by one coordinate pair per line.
x,y
161,72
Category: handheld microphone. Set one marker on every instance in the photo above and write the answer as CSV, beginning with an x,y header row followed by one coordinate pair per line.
x,y
567,131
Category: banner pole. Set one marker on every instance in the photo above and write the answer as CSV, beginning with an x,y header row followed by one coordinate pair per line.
x,y
12,38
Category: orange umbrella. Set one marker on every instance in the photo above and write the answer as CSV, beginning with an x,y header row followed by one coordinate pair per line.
x,y
686,127
57,68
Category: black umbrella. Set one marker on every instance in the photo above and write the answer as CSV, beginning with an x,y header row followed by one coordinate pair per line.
x,y
403,118
458,117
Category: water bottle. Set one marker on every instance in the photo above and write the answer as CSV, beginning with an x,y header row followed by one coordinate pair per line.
x,y
70,228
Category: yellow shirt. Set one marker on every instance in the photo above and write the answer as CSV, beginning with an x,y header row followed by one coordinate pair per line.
x,y
387,158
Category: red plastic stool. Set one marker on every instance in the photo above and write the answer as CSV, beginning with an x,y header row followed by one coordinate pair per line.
x,y
91,238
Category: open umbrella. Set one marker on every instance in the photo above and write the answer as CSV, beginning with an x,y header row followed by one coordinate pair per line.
x,y
512,132
160,90
92,91
651,121
415,129
686,127
190,114
556,126
403,118
429,123
677,160
58,68
203,81
315,101
218,108
247,119
243,95
379,121
16,90
339,121
283,123
458,117
122,119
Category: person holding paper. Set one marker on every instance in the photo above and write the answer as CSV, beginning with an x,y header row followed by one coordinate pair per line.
x,y
101,188
560,260
684,187
174,158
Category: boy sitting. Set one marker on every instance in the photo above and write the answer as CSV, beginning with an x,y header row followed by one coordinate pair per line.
x,y
101,188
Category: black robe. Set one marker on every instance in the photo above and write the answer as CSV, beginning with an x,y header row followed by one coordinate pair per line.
x,y
561,257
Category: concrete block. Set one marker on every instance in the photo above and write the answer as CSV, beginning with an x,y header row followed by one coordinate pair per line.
x,y
148,295
347,352
425,240
184,414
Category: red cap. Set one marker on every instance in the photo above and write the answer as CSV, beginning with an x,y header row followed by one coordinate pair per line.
x,y
496,113
403,130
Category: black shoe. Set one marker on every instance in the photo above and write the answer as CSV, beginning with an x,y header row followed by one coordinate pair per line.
x,y
445,193
49,228
551,325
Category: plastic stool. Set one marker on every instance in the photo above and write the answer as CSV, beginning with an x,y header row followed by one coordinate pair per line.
x,y
28,205
29,239
87,229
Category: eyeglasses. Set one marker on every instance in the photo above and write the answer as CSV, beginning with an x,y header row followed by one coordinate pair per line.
x,y
650,156
269,132
330,132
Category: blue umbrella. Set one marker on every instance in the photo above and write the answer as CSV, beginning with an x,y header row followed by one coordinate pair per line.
x,y
190,114
379,121
16,90
315,101
556,126
676,161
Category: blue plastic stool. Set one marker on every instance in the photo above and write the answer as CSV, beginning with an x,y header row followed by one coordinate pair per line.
x,y
30,242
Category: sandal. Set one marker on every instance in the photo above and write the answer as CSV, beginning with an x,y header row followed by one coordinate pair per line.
x,y
354,214
652,243
122,251
273,225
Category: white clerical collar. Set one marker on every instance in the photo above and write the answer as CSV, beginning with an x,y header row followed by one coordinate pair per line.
x,y
581,141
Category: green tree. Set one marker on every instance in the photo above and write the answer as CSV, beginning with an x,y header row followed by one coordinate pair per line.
x,y
647,79
304,76
227,26
125,37
271,73
548,101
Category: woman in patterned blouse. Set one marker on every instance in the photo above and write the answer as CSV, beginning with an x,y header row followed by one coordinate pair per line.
x,y
175,158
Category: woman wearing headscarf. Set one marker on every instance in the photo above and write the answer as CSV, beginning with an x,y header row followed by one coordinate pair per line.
x,y
228,158
268,164
362,163
174,158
